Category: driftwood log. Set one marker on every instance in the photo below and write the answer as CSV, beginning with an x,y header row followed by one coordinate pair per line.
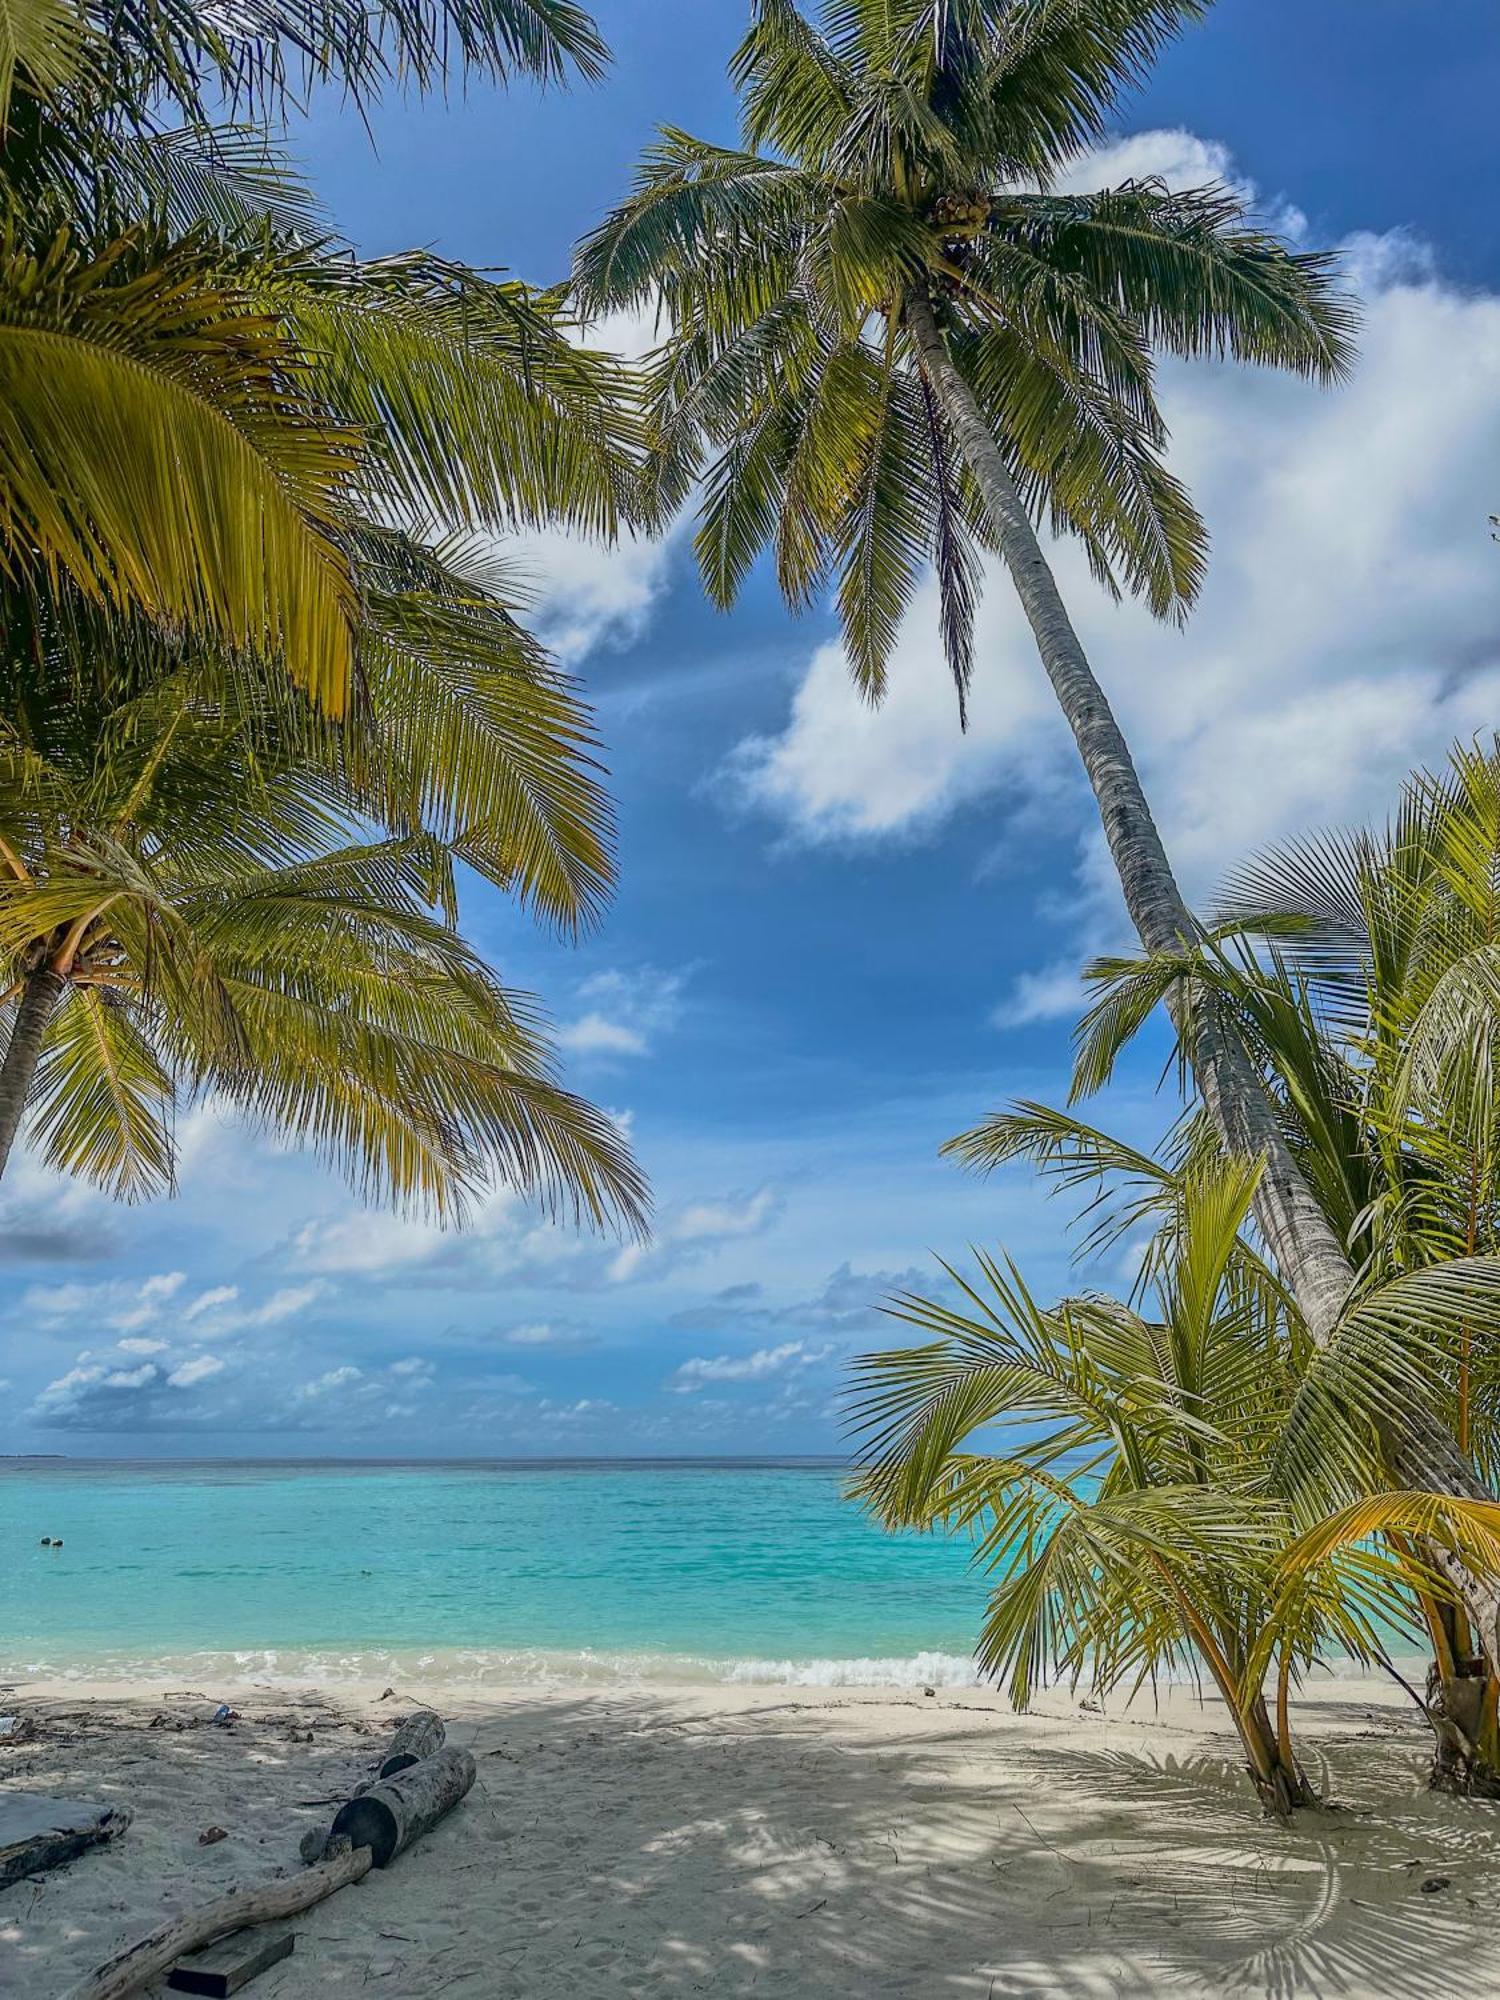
x,y
401,1808
369,1832
420,1735
133,1967
37,1832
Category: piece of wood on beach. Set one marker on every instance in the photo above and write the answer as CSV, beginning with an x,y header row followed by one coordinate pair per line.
x,y
223,1968
420,1735
400,1809
37,1832
268,1902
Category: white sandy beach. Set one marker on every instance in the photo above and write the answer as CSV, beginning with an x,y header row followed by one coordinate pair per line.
x,y
774,1841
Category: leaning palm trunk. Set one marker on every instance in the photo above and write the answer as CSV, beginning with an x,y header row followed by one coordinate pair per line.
x,y
39,995
1418,1451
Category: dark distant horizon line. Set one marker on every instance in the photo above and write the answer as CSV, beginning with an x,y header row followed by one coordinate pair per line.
x,y
743,1459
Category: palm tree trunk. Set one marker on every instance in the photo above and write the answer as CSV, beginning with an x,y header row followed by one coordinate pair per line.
x,y
39,996
1308,1254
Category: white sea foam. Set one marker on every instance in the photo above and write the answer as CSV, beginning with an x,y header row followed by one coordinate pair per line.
x,y
916,1670
290,1666
215,1673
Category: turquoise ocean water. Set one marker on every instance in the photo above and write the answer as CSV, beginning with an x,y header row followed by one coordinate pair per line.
x,y
750,1571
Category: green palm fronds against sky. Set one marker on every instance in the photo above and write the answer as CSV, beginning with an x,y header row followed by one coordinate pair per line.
x,y
893,150
1360,969
211,921
1149,1481
250,392
265,687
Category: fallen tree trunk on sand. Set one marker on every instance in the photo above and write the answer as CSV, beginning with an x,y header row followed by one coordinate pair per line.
x,y
37,1832
401,1808
420,1735
133,1967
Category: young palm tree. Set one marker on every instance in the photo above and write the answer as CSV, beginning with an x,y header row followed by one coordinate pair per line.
x,y
1118,1466
885,351
1360,971
183,911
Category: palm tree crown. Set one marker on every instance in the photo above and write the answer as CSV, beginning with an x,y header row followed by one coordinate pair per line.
x,y
182,909
897,163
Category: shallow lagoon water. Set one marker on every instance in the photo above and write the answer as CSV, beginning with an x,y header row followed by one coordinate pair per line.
x,y
298,1570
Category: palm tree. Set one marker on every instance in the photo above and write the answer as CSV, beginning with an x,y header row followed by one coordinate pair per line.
x,y
1120,1468
224,445
191,426
1360,970
181,911
885,351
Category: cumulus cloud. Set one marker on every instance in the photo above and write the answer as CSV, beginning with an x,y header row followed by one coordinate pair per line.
x,y
508,1240
695,1229
562,1334
199,1369
757,1367
590,597
1347,628
1051,993
214,1297
622,1014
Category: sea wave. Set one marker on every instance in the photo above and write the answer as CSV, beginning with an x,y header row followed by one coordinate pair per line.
x,y
215,1673
212,1671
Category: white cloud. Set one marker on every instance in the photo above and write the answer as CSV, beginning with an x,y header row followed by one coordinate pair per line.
x,y
209,1301
756,1367
626,1011
588,596
1347,629
285,1304
1053,992
199,1369
132,1378
140,1344
735,1216
334,1379
695,1228
544,1333
150,1298
594,1035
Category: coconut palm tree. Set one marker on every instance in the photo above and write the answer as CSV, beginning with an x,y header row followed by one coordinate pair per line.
x,y
190,427
1120,1467
183,910
887,350
892,343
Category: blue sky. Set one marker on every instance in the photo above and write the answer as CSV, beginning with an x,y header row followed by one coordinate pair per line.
x,y
840,937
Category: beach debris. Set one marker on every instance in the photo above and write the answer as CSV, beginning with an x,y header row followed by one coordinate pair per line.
x,y
388,1695
1436,1882
398,1810
223,1968
930,1693
223,1715
420,1735
37,1832
268,1902
368,1833
16,1728
212,1835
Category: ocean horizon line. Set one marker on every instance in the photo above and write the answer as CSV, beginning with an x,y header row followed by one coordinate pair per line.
x,y
740,1461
